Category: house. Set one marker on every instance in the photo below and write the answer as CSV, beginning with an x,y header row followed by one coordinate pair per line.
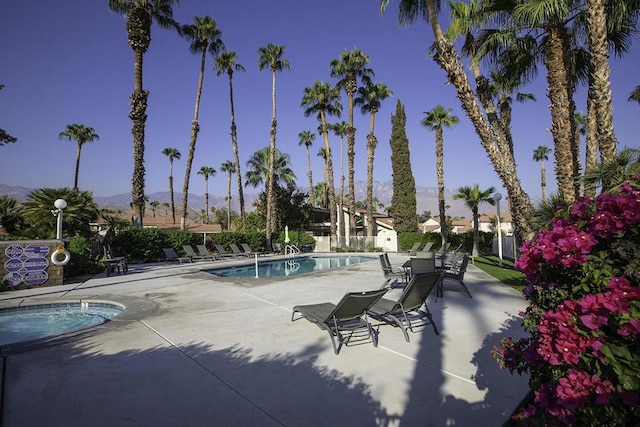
x,y
458,226
488,223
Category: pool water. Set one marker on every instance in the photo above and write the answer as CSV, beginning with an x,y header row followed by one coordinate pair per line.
x,y
27,323
290,266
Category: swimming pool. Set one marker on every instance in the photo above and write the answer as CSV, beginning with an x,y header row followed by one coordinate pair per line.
x,y
25,323
289,266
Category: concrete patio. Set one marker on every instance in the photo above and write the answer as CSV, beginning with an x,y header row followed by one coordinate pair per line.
x,y
193,349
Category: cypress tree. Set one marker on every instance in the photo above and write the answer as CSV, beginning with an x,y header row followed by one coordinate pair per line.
x,y
403,201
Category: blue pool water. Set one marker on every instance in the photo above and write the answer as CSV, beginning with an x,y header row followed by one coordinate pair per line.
x,y
27,323
290,266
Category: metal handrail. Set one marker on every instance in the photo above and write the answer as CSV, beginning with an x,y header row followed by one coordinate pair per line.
x,y
291,250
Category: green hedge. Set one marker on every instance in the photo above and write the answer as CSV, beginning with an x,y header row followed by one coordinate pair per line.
x,y
406,241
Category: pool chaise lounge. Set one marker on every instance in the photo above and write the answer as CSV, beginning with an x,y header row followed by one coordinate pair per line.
x,y
405,312
346,321
171,255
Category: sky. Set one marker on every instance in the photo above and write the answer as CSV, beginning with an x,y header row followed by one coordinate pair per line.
x,y
70,63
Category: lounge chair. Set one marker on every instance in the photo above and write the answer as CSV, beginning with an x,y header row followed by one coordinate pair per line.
x,y
247,249
426,248
405,312
422,265
392,274
455,272
276,248
237,251
223,252
414,248
188,250
203,251
171,255
114,263
347,321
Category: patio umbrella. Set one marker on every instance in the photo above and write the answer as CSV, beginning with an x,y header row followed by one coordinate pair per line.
x,y
286,234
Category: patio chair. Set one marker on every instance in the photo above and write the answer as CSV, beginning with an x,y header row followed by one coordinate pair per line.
x,y
203,251
247,249
392,274
237,251
347,320
414,248
114,263
405,312
426,248
171,255
195,256
223,252
455,272
276,247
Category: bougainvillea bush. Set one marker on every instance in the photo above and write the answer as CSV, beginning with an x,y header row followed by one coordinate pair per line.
x,y
583,275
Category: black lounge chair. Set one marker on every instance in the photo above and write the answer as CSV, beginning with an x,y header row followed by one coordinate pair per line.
x,y
203,251
195,256
455,271
347,321
237,251
392,274
247,250
406,310
171,255
222,252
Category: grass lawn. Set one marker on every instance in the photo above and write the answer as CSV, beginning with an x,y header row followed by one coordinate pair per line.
x,y
507,274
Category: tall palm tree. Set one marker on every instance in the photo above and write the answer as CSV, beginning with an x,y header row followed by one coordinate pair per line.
x,y
541,154
154,206
340,129
492,135
226,63
80,134
473,197
259,171
635,95
612,172
206,172
435,120
321,100
324,195
229,167
271,57
350,68
369,98
204,36
140,14
306,138
166,206
171,153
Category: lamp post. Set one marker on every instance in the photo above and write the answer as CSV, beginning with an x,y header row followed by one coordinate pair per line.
x,y
60,204
497,197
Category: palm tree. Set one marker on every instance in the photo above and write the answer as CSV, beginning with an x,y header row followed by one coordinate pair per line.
x,y
10,214
322,100
228,167
541,154
140,14
351,67
259,171
306,138
435,120
80,211
609,174
369,99
166,206
80,134
226,63
154,206
271,57
206,172
171,153
492,135
204,36
473,197
635,95
324,195
340,129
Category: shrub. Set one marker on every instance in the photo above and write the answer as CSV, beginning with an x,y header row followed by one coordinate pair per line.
x,y
82,259
583,275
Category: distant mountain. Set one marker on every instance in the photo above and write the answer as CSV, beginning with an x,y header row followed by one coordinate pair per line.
x,y
427,198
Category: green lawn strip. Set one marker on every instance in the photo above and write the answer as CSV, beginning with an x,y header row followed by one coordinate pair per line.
x,y
507,274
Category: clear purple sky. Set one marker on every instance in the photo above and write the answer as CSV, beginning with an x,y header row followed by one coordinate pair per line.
x,y
69,62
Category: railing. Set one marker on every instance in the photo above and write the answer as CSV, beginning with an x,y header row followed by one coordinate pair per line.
x,y
291,251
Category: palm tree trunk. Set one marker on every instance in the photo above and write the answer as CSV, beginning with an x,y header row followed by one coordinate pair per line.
x,y
75,178
206,198
440,175
543,180
591,144
504,165
598,48
342,231
331,188
309,175
272,160
372,142
476,234
236,156
229,202
195,128
561,119
173,206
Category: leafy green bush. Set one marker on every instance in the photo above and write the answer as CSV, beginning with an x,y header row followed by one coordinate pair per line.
x,y
82,259
140,244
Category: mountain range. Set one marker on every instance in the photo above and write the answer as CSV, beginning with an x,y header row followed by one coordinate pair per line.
x,y
426,197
